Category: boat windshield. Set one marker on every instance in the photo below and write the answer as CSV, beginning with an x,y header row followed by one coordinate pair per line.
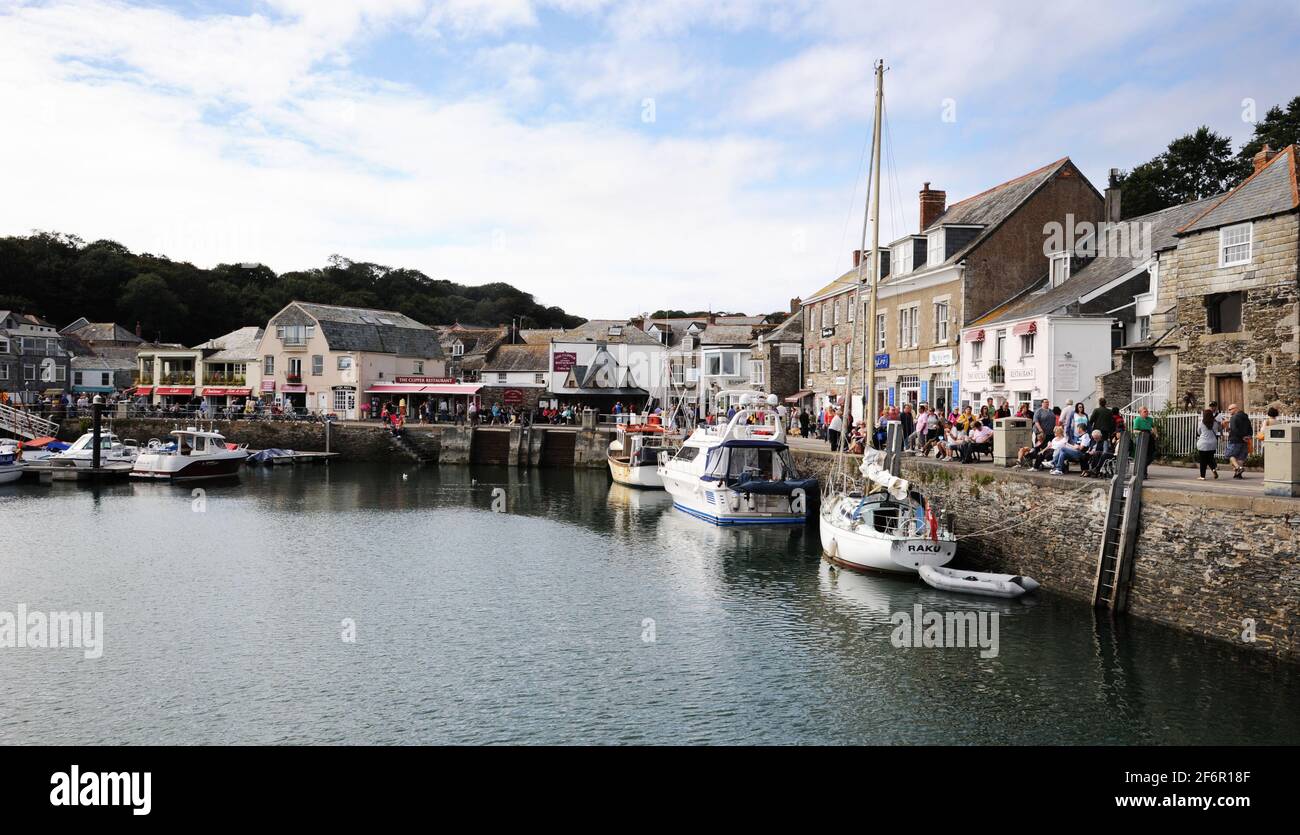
x,y
730,464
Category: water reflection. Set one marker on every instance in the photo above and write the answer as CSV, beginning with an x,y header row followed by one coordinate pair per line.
x,y
528,626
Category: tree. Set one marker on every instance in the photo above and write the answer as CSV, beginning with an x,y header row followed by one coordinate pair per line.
x,y
149,300
1193,167
1278,129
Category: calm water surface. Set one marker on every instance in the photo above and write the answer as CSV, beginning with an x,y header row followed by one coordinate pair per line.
x,y
527,627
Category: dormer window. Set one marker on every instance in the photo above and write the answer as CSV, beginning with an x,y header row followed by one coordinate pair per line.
x,y
615,330
902,263
1235,244
934,248
1059,268
457,348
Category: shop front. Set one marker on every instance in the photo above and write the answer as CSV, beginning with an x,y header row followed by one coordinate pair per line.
x,y
408,394
293,396
175,395
221,397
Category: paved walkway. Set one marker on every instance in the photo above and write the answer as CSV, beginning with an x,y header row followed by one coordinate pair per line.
x,y
1158,475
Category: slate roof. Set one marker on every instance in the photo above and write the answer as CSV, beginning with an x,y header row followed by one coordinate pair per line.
x,y
375,331
597,330
1099,271
727,335
1272,190
237,346
539,336
92,332
525,357
791,330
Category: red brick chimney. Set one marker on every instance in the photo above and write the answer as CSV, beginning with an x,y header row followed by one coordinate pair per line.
x,y
137,327
933,204
857,258
1261,159
713,318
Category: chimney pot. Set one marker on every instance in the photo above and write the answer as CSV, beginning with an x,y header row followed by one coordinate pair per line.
x,y
1261,159
857,257
933,204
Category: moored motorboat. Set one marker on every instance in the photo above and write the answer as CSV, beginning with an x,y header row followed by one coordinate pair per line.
x,y
740,472
11,469
192,455
112,450
633,455
977,582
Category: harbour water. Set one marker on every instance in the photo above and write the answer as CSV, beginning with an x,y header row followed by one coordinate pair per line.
x,y
584,612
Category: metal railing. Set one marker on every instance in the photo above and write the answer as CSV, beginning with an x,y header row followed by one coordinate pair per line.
x,y
1152,392
1176,432
25,423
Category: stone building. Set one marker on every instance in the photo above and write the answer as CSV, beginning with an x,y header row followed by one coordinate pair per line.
x,y
968,259
1225,325
466,347
826,318
34,360
516,375
776,365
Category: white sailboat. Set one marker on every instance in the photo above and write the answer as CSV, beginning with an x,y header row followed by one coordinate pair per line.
x,y
884,523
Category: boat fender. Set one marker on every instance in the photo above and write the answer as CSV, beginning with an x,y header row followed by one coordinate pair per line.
x,y
1026,583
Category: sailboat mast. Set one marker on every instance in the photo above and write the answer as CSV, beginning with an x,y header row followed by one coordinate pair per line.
x,y
869,393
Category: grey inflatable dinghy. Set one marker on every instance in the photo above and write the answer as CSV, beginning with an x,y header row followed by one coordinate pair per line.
x,y
977,582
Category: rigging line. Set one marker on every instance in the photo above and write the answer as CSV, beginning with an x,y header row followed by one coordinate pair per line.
x,y
848,216
896,204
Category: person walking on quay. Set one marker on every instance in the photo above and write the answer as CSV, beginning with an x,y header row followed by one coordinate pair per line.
x,y
908,420
1103,421
804,423
1144,423
1207,443
834,428
1239,430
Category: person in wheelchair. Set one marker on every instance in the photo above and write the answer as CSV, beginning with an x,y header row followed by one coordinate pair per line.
x,y
1098,457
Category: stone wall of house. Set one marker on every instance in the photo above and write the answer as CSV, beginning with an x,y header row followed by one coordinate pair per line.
x,y
783,377
1117,386
1206,563
497,394
825,378
1269,339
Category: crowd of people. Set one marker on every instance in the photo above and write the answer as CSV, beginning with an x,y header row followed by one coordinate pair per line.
x,y
1059,439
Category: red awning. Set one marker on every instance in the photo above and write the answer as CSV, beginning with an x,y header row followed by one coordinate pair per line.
x,y
141,391
288,389
268,385
175,390
798,395
1024,328
975,336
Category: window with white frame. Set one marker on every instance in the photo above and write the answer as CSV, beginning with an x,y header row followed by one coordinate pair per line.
x,y
1234,244
1026,344
880,331
317,365
934,248
837,354
849,303
1059,268
29,372
976,352
909,326
4,372
345,362
757,372
902,261
457,348
418,365
1144,327
940,323
540,378
836,306
825,358
812,319
60,373
502,377
812,360
4,345
268,365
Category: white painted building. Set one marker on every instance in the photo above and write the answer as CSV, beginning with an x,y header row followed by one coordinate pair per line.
x,y
603,362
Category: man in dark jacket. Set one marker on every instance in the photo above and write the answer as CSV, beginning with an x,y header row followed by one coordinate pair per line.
x,y
1103,421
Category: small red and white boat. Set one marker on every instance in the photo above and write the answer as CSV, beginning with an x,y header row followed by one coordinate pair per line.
x,y
192,455
634,454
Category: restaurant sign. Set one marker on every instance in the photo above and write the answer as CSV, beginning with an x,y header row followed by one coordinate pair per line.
x,y
565,361
425,381
512,397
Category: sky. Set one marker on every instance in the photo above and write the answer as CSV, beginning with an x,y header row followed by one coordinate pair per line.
x,y
610,158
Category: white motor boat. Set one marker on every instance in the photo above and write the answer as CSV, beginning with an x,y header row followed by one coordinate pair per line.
x,y
112,450
634,453
740,472
192,455
888,526
11,469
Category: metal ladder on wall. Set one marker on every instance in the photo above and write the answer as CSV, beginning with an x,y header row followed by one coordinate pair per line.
x,y
1119,536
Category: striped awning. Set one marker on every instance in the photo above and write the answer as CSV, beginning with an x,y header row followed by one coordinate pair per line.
x,y
1024,329
975,335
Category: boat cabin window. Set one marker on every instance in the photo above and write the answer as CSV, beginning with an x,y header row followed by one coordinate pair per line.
x,y
200,444
886,518
687,453
756,462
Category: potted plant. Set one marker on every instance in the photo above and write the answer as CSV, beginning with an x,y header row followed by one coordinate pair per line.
x,y
997,374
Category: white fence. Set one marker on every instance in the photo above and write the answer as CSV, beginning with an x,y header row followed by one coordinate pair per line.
x,y
1178,431
1152,392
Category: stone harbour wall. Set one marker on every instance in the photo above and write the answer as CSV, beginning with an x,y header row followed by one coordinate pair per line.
x,y
1216,565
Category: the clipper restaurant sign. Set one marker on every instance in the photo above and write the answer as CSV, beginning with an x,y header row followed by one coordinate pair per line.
x,y
427,381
